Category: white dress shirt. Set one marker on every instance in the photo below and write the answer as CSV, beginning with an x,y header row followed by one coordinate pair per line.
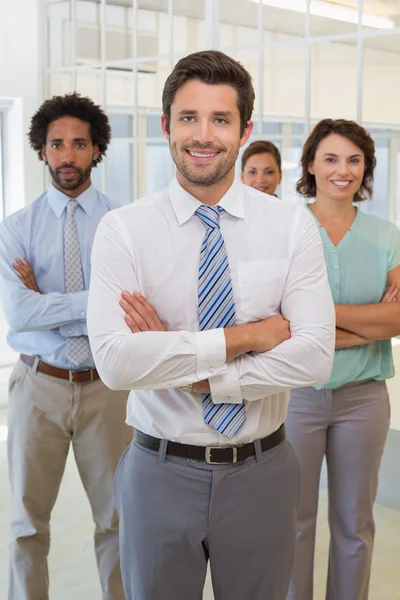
x,y
277,266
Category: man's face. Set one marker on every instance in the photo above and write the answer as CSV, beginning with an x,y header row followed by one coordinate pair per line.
x,y
204,132
69,153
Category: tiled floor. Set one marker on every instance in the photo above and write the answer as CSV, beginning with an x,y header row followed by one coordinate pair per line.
x,y
72,563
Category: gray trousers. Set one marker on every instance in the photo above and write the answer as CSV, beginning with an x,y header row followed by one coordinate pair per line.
x,y
175,514
46,416
349,426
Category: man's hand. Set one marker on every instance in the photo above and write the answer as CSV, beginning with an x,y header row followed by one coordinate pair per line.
x,y
268,333
140,315
390,294
25,273
256,337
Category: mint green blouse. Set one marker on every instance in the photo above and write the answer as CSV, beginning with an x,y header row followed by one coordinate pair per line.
x,y
357,272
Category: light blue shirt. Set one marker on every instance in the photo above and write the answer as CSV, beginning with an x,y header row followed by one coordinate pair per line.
x,y
41,322
357,270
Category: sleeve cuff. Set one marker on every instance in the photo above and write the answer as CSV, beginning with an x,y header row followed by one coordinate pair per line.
x,y
74,329
211,353
79,302
225,388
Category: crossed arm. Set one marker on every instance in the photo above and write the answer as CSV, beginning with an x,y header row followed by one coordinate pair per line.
x,y
362,324
26,307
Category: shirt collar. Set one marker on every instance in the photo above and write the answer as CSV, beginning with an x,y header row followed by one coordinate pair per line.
x,y
58,200
185,205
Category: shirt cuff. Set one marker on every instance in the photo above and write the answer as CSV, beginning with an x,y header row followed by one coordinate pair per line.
x,y
79,301
211,353
225,388
75,329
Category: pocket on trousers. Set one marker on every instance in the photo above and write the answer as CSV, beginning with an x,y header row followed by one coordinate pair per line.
x,y
18,375
117,469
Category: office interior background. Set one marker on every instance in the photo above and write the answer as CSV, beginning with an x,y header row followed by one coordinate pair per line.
x,y
309,59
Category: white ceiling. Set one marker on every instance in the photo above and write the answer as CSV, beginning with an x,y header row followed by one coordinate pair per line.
x,y
245,13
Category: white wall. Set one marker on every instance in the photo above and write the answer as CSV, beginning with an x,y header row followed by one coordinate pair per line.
x,y
20,78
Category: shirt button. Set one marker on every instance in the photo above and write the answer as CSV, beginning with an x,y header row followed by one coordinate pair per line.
x,y
336,285
333,251
211,370
83,314
193,460
70,331
336,267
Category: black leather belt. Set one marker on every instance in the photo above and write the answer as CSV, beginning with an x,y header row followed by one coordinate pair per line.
x,y
213,455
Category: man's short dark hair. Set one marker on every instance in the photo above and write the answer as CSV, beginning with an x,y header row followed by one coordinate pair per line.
x,y
211,67
306,186
70,105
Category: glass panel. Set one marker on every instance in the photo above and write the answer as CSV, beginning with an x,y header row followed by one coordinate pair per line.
x,y
284,84
119,167
120,86
59,48
88,33
188,25
333,81
330,18
381,81
291,172
379,204
89,83
283,20
118,34
151,80
238,23
153,29
121,125
154,167
60,83
153,126
249,59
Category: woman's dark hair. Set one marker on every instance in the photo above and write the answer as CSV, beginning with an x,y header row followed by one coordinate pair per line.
x,y
214,68
70,105
351,130
262,147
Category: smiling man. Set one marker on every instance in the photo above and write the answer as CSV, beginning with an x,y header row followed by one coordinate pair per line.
x,y
210,301
56,397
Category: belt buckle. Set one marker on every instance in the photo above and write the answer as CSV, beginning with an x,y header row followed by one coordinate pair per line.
x,y
72,373
209,461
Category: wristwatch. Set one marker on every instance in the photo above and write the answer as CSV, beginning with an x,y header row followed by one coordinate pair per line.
x,y
187,388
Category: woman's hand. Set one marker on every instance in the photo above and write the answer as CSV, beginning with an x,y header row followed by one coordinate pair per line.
x,y
390,294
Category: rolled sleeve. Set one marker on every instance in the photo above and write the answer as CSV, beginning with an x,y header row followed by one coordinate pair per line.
x,y
211,353
225,388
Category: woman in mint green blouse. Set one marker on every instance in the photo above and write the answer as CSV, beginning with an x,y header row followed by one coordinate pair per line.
x,y
347,419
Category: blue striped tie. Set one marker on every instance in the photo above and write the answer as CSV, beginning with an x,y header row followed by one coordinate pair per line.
x,y
216,309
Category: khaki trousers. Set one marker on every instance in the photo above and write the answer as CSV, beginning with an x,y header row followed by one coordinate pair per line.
x,y
46,415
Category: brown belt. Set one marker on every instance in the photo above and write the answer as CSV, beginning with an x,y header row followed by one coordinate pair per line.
x,y
212,455
72,376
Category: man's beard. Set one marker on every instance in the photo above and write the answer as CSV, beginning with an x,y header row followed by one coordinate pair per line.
x,y
83,175
210,178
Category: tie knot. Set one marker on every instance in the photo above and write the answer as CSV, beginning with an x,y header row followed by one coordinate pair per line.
x,y
72,206
209,215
